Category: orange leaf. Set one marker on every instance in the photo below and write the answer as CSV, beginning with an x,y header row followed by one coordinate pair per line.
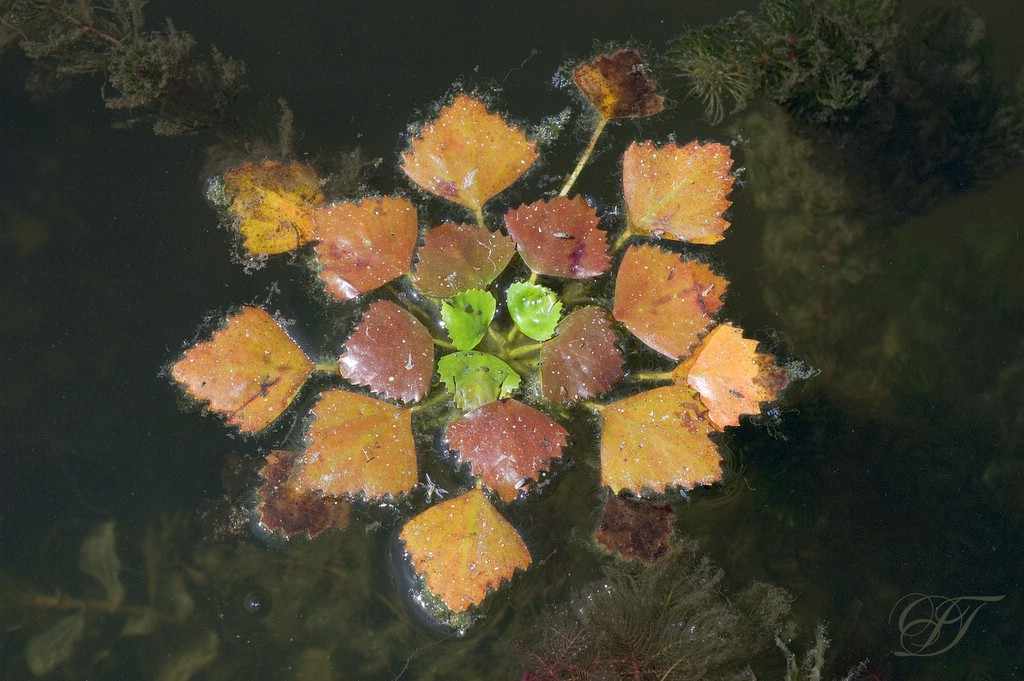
x,y
657,439
464,547
359,445
582,360
559,237
468,155
364,244
507,442
677,192
665,301
390,352
456,258
285,505
619,86
273,203
731,377
250,370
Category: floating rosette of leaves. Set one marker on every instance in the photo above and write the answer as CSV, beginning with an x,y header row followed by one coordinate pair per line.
x,y
494,362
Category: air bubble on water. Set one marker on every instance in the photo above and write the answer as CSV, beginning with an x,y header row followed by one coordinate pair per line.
x,y
550,128
216,192
251,263
562,79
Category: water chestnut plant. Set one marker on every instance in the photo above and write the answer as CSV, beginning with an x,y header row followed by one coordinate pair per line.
x,y
499,324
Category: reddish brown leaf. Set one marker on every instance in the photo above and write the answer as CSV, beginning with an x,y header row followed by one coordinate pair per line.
x,y
731,377
657,440
456,258
665,301
582,360
507,442
468,155
619,85
677,192
285,505
250,370
390,352
364,244
359,445
464,547
634,529
559,237
273,203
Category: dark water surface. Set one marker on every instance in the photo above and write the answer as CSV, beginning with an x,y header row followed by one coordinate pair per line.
x,y
897,470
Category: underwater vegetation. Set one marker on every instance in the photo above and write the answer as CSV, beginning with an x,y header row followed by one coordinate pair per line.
x,y
230,610
818,59
96,621
939,124
913,101
153,75
671,621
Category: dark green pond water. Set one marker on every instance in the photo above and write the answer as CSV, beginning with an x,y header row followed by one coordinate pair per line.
x,y
896,472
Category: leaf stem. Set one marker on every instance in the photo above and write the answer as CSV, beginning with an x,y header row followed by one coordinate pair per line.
x,y
512,335
496,338
328,368
621,241
584,157
652,376
47,602
443,344
429,402
89,27
524,350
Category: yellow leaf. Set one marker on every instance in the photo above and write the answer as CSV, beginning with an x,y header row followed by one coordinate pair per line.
x,y
677,192
273,203
731,377
468,155
464,547
250,370
359,445
657,440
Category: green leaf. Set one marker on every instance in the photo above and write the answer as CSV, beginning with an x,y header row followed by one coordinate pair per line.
x,y
476,378
534,308
466,315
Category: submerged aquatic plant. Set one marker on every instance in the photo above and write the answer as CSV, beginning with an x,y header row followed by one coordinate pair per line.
x,y
670,621
819,60
153,74
523,342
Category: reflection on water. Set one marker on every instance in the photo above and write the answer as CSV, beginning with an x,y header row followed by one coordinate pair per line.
x,y
895,471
